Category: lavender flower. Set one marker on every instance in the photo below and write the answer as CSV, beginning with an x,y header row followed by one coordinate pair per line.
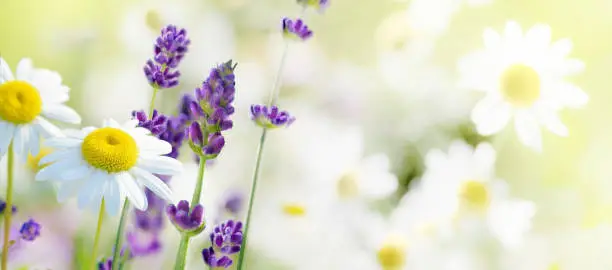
x,y
320,5
142,243
170,48
105,264
212,109
226,240
157,124
184,219
270,117
297,29
30,230
233,203
3,207
174,134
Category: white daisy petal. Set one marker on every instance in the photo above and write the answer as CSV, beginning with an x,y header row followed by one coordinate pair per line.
x,y
60,155
153,146
572,96
20,141
112,197
6,135
90,189
68,167
153,183
513,33
130,124
485,106
572,66
132,190
34,144
490,118
5,71
46,129
551,121
67,190
62,113
491,38
161,165
539,36
63,143
562,47
24,69
528,130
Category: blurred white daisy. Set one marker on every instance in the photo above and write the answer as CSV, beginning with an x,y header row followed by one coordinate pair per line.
x,y
109,163
466,189
523,76
26,101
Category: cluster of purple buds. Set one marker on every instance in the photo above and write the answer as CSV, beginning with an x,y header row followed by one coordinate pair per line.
x,y
107,263
30,230
157,124
226,241
211,111
320,5
296,29
3,207
170,48
270,117
185,219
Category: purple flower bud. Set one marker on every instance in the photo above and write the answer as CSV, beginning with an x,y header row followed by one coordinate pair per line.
x,y
30,230
233,203
297,29
160,76
320,5
226,240
157,124
195,134
214,260
3,207
270,117
184,219
170,48
215,144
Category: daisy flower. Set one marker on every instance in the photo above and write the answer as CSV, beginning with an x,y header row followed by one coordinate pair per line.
x,y
109,163
27,100
523,76
467,191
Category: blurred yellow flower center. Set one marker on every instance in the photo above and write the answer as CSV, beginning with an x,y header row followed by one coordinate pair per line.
x,y
110,149
153,20
34,160
20,102
554,266
294,210
520,85
392,254
474,194
347,186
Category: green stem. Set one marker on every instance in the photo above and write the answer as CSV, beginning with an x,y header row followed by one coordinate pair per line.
x,y
126,204
94,251
277,80
119,236
247,224
9,205
181,255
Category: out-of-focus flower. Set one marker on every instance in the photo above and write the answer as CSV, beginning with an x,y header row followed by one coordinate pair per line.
x,y
184,218
33,161
156,124
106,162
26,102
296,30
3,207
270,117
234,203
319,5
143,243
170,48
30,230
523,77
464,185
226,240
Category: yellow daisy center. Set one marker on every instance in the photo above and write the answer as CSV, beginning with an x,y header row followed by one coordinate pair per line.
x,y
110,149
294,209
34,160
520,85
392,254
347,186
474,194
554,266
20,102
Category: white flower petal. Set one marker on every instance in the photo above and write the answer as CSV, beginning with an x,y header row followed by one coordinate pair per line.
x,y
112,197
510,220
7,131
160,165
46,129
63,143
513,33
134,193
539,36
485,106
528,130
491,38
551,121
130,124
34,143
67,169
24,69
572,96
149,145
67,190
111,123
20,141
153,183
5,71
572,66
561,48
62,113
491,117
90,189
60,155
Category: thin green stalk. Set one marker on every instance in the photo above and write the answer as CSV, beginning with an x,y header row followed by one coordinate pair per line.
x,y
126,205
181,255
247,224
94,251
9,205
277,80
